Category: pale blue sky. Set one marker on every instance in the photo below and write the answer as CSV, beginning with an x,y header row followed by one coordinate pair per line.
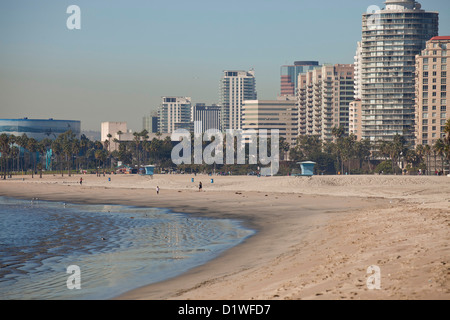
x,y
130,53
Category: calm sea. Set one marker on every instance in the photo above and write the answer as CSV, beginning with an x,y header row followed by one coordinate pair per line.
x,y
117,248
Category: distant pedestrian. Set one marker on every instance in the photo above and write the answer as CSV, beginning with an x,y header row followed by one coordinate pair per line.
x,y
200,186
81,181
157,190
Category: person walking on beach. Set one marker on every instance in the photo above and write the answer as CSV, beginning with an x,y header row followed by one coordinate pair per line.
x,y
81,181
200,186
157,190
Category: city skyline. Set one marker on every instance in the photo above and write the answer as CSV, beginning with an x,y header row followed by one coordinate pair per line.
x,y
124,59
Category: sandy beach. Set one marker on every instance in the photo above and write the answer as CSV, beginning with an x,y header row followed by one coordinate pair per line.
x,y
316,237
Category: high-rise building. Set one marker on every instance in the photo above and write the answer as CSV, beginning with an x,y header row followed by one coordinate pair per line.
x,y
391,38
150,123
355,119
235,87
174,113
269,115
289,75
358,72
206,118
432,74
323,96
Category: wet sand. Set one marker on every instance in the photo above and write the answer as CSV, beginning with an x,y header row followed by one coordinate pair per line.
x,y
316,237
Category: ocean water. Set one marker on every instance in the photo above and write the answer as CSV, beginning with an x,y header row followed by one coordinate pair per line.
x,y
117,248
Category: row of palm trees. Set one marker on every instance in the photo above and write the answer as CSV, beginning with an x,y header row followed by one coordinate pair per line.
x,y
345,150
20,154
341,154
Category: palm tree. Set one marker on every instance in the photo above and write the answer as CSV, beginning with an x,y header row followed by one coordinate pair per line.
x,y
447,141
427,150
4,150
109,148
23,142
137,141
439,149
76,149
338,134
32,148
58,150
15,153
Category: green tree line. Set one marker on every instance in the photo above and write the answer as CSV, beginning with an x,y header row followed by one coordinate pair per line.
x,y
345,154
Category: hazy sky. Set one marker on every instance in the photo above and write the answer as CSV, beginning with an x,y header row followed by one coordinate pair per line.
x,y
130,53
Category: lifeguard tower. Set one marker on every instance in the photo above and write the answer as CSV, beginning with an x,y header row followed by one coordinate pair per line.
x,y
149,170
307,168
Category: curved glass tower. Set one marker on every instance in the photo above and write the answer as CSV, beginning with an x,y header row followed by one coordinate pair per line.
x,y
391,38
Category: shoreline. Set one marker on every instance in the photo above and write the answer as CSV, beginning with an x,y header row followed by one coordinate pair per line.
x,y
296,252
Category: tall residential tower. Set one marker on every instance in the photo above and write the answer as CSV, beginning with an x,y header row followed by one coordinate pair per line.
x,y
391,38
235,88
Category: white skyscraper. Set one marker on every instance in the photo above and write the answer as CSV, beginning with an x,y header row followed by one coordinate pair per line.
x,y
174,113
391,38
235,88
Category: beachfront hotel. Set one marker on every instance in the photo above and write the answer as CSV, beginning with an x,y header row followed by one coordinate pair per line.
x,y
269,115
432,71
174,113
391,38
289,76
235,87
323,99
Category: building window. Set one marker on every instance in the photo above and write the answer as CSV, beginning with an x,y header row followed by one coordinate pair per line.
x,y
424,108
443,108
433,108
443,81
425,122
444,60
425,88
424,128
425,67
444,74
425,74
444,115
444,67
